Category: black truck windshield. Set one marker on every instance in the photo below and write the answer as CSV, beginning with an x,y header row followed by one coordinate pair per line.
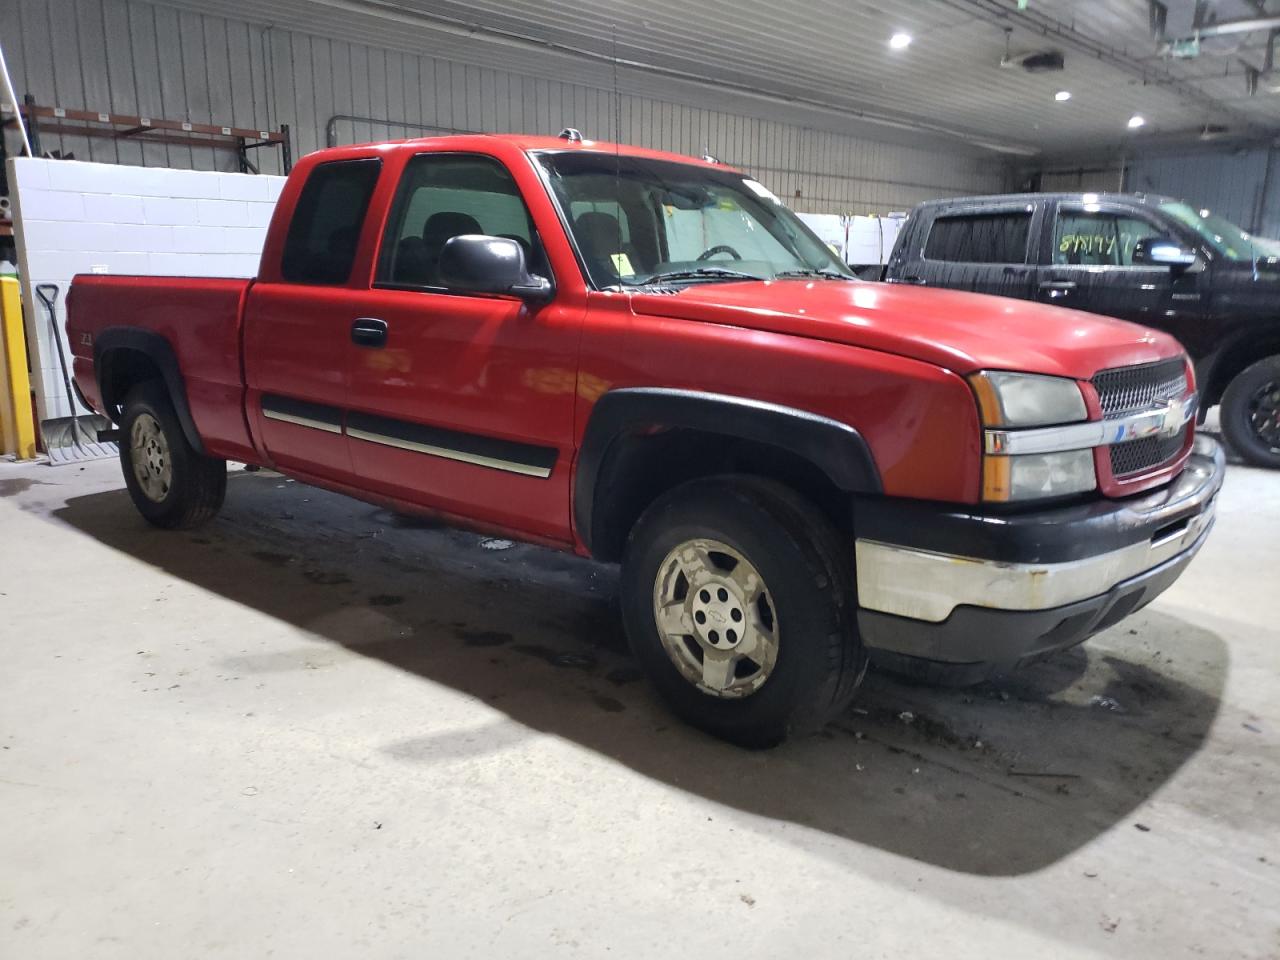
x,y
1218,232
638,221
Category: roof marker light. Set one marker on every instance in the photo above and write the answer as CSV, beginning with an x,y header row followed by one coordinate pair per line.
x,y
900,40
1062,96
1136,121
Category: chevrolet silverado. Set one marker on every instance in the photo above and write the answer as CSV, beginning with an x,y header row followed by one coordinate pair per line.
x,y
646,358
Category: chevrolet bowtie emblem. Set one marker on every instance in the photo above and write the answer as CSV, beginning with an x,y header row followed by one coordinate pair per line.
x,y
1172,419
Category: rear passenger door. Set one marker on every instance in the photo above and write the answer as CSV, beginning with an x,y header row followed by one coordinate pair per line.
x,y
297,324
1089,266
981,249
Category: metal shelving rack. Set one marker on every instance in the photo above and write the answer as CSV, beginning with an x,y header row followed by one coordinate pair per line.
x,y
121,126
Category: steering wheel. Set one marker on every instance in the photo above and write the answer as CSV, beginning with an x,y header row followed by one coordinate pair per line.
x,y
719,248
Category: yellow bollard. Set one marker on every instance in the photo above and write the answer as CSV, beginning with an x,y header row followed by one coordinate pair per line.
x,y
17,426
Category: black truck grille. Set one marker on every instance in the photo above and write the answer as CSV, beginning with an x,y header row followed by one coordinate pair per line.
x,y
1135,456
1124,390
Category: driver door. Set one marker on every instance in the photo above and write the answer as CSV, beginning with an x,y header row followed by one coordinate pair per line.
x,y
1090,266
465,403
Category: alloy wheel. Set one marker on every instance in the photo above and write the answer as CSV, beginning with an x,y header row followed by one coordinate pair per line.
x,y
716,618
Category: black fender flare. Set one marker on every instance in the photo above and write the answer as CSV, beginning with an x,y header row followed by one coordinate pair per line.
x,y
152,345
835,448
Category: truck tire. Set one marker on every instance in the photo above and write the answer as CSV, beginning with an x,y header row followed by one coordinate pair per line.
x,y
172,485
738,601
1250,413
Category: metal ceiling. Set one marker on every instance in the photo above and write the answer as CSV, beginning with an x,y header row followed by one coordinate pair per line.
x,y
834,55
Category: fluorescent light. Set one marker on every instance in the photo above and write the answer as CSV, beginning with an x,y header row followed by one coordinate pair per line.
x,y
900,40
1136,121
1062,95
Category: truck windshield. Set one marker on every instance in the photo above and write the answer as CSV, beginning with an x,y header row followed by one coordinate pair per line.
x,y
1220,233
638,221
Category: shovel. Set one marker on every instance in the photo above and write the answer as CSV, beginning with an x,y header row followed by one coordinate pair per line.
x,y
74,438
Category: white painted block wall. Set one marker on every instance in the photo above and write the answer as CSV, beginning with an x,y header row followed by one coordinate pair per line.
x,y
72,217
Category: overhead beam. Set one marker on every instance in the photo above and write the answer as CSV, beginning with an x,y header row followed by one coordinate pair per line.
x,y
998,13
1224,27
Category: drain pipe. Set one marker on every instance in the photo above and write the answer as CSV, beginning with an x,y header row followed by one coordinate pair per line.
x,y
331,126
1260,208
13,99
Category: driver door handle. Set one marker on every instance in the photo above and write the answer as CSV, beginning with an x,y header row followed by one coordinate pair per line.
x,y
1057,288
369,332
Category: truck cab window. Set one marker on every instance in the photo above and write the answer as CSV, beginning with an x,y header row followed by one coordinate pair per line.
x,y
321,244
637,221
980,238
443,196
1084,238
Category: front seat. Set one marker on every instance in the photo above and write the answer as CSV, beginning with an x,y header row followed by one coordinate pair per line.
x,y
417,259
439,229
599,238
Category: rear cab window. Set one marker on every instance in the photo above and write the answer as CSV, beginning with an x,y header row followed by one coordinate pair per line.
x,y
980,237
324,233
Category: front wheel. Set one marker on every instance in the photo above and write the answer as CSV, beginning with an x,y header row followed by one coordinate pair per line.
x,y
171,483
1251,413
738,602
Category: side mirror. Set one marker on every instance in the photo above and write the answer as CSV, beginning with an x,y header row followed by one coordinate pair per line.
x,y
1162,252
475,263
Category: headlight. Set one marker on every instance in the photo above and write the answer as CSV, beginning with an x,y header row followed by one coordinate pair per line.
x,y
1014,400
1027,399
1036,476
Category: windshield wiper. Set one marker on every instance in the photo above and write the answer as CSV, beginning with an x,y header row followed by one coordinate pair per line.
x,y
812,272
703,273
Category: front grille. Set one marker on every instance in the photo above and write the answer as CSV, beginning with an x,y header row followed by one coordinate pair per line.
x,y
1145,453
1125,390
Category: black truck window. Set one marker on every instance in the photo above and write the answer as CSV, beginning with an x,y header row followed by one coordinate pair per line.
x,y
1083,238
980,238
322,239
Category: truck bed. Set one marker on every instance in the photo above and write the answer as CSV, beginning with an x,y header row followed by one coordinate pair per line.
x,y
200,318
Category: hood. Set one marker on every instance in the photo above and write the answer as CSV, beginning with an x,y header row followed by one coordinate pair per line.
x,y
962,332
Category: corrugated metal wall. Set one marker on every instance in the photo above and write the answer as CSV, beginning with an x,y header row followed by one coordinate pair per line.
x,y
1238,183
134,57
1234,184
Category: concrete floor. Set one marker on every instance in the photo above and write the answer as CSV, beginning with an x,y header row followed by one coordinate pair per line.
x,y
316,729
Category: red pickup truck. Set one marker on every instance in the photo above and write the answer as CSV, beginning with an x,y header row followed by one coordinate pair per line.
x,y
647,358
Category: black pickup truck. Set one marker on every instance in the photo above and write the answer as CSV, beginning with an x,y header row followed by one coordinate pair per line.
x,y
1150,259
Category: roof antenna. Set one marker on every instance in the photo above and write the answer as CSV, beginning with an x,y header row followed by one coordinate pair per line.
x,y
617,141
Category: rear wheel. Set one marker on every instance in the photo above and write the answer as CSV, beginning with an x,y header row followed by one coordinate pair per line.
x,y
738,602
1251,413
171,484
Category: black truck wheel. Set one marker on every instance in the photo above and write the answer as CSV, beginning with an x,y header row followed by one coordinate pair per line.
x,y
172,485
738,601
1250,413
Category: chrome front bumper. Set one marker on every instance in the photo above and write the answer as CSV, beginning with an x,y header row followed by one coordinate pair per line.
x,y
929,586
965,587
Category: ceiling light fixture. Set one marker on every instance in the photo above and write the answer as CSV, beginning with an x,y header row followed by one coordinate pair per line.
x,y
1136,121
900,40
1062,96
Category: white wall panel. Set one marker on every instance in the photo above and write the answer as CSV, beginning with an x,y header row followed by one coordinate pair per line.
x,y
133,56
74,217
